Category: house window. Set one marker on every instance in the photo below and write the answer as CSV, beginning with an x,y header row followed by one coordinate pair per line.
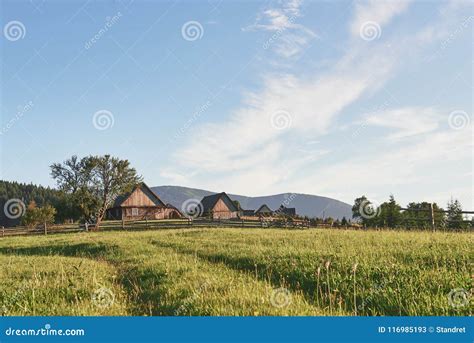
x,y
134,211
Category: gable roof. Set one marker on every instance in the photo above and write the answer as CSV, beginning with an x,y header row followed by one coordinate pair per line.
x,y
208,202
264,209
146,190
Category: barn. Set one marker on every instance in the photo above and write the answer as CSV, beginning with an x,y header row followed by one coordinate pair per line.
x,y
219,206
139,204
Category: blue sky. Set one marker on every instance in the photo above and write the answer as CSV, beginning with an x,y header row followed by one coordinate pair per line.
x,y
336,98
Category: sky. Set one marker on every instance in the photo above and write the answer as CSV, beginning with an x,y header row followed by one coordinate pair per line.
x,y
332,98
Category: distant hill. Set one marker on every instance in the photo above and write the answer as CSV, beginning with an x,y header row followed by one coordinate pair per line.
x,y
305,204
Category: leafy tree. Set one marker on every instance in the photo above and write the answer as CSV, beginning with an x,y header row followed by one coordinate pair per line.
x,y
74,177
237,204
365,211
94,182
358,204
38,215
110,178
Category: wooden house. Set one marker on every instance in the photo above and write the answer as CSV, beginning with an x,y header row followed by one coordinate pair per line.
x,y
264,211
139,204
287,211
219,206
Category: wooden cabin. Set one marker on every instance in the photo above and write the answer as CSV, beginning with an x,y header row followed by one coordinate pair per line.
x,y
140,204
264,211
219,206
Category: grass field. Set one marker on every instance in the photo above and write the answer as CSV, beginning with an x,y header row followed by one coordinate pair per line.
x,y
237,272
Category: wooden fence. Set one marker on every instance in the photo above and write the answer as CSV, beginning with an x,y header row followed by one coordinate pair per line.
x,y
110,225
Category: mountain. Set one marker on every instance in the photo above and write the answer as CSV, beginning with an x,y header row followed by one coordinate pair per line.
x,y
305,204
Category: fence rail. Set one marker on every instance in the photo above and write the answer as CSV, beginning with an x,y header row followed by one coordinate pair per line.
x,y
114,225
141,225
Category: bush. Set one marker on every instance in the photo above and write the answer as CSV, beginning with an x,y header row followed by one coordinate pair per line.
x,y
38,215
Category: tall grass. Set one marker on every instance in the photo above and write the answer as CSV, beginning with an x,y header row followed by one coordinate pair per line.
x,y
235,272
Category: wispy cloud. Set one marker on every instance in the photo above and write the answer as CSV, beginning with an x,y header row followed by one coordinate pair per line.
x,y
244,153
380,12
406,122
288,37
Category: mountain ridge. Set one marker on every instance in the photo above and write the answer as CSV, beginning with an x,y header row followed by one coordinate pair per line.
x,y
305,204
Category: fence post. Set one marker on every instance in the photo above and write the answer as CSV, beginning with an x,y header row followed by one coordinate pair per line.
x,y
3,231
432,217
123,224
45,229
86,226
243,225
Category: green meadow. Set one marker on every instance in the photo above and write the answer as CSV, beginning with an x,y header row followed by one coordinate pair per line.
x,y
237,272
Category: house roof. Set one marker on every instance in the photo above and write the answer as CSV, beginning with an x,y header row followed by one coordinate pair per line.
x,y
145,189
264,209
248,212
208,202
291,211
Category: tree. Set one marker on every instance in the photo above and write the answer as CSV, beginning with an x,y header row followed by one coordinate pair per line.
x,y
110,177
454,218
356,208
418,215
390,214
365,211
74,178
94,182
237,204
38,215
344,221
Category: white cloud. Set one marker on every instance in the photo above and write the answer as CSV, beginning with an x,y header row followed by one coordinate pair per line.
x,y
389,169
245,154
381,12
288,38
407,121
